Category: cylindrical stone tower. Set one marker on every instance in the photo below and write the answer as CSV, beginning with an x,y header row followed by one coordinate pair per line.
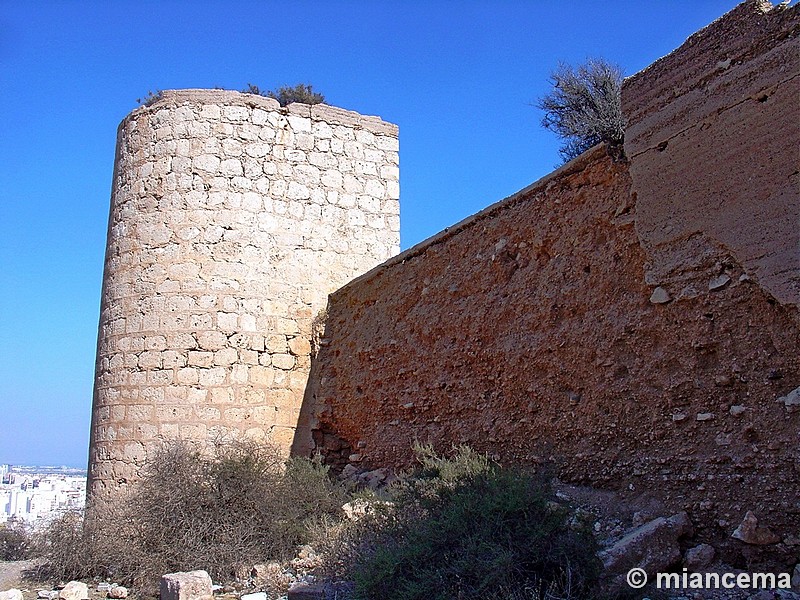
x,y
231,220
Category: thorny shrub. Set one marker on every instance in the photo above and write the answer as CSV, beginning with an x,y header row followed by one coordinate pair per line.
x,y
584,107
235,504
15,541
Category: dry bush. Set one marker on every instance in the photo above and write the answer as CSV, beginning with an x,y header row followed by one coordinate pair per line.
x,y
584,107
15,541
219,509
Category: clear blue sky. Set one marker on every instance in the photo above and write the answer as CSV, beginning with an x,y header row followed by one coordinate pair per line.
x,y
458,78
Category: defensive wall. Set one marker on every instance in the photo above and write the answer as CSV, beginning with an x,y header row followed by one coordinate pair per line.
x,y
231,220
634,324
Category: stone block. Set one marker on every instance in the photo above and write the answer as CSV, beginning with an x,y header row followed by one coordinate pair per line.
x,y
192,585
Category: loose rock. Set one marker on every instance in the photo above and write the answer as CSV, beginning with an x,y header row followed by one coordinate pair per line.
x,y
192,585
750,533
660,296
118,592
792,398
74,590
717,283
303,590
652,547
12,594
699,557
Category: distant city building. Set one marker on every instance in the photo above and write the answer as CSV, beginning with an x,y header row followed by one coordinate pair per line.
x,y
36,498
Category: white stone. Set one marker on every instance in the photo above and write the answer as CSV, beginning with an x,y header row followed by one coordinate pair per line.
x,y
74,590
12,594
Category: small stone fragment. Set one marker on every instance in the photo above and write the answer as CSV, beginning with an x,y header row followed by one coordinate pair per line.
x,y
255,596
705,416
723,439
792,398
679,416
74,590
750,533
737,409
699,557
660,296
722,381
719,282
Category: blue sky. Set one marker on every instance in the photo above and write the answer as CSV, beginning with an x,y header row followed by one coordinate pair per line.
x,y
458,77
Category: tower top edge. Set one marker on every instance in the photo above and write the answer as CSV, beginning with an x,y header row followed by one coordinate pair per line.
x,y
332,115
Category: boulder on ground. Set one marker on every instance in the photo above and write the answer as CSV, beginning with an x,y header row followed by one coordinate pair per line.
x,y
652,547
192,585
12,594
74,590
699,557
303,590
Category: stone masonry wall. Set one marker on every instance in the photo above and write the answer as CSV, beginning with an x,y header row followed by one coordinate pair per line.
x,y
537,332
231,220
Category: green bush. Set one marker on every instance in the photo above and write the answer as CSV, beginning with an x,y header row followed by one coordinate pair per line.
x,y
150,98
218,509
584,107
464,528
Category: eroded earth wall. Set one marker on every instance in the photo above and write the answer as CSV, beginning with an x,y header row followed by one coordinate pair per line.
x,y
537,331
231,220
713,136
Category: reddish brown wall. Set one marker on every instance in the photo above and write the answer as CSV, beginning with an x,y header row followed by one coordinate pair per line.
x,y
529,331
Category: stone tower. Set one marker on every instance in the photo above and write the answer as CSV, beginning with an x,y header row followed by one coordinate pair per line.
x,y
231,221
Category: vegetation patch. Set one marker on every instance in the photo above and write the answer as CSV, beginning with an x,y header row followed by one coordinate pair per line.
x,y
463,527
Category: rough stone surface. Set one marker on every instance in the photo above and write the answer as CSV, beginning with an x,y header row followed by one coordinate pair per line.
x,y
12,594
231,220
526,331
715,184
74,590
307,591
792,398
750,532
699,557
652,547
192,585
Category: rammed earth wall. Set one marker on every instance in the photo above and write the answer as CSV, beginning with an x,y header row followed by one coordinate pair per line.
x,y
632,324
231,220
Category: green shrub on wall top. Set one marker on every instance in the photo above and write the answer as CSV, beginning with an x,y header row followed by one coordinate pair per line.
x,y
286,94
